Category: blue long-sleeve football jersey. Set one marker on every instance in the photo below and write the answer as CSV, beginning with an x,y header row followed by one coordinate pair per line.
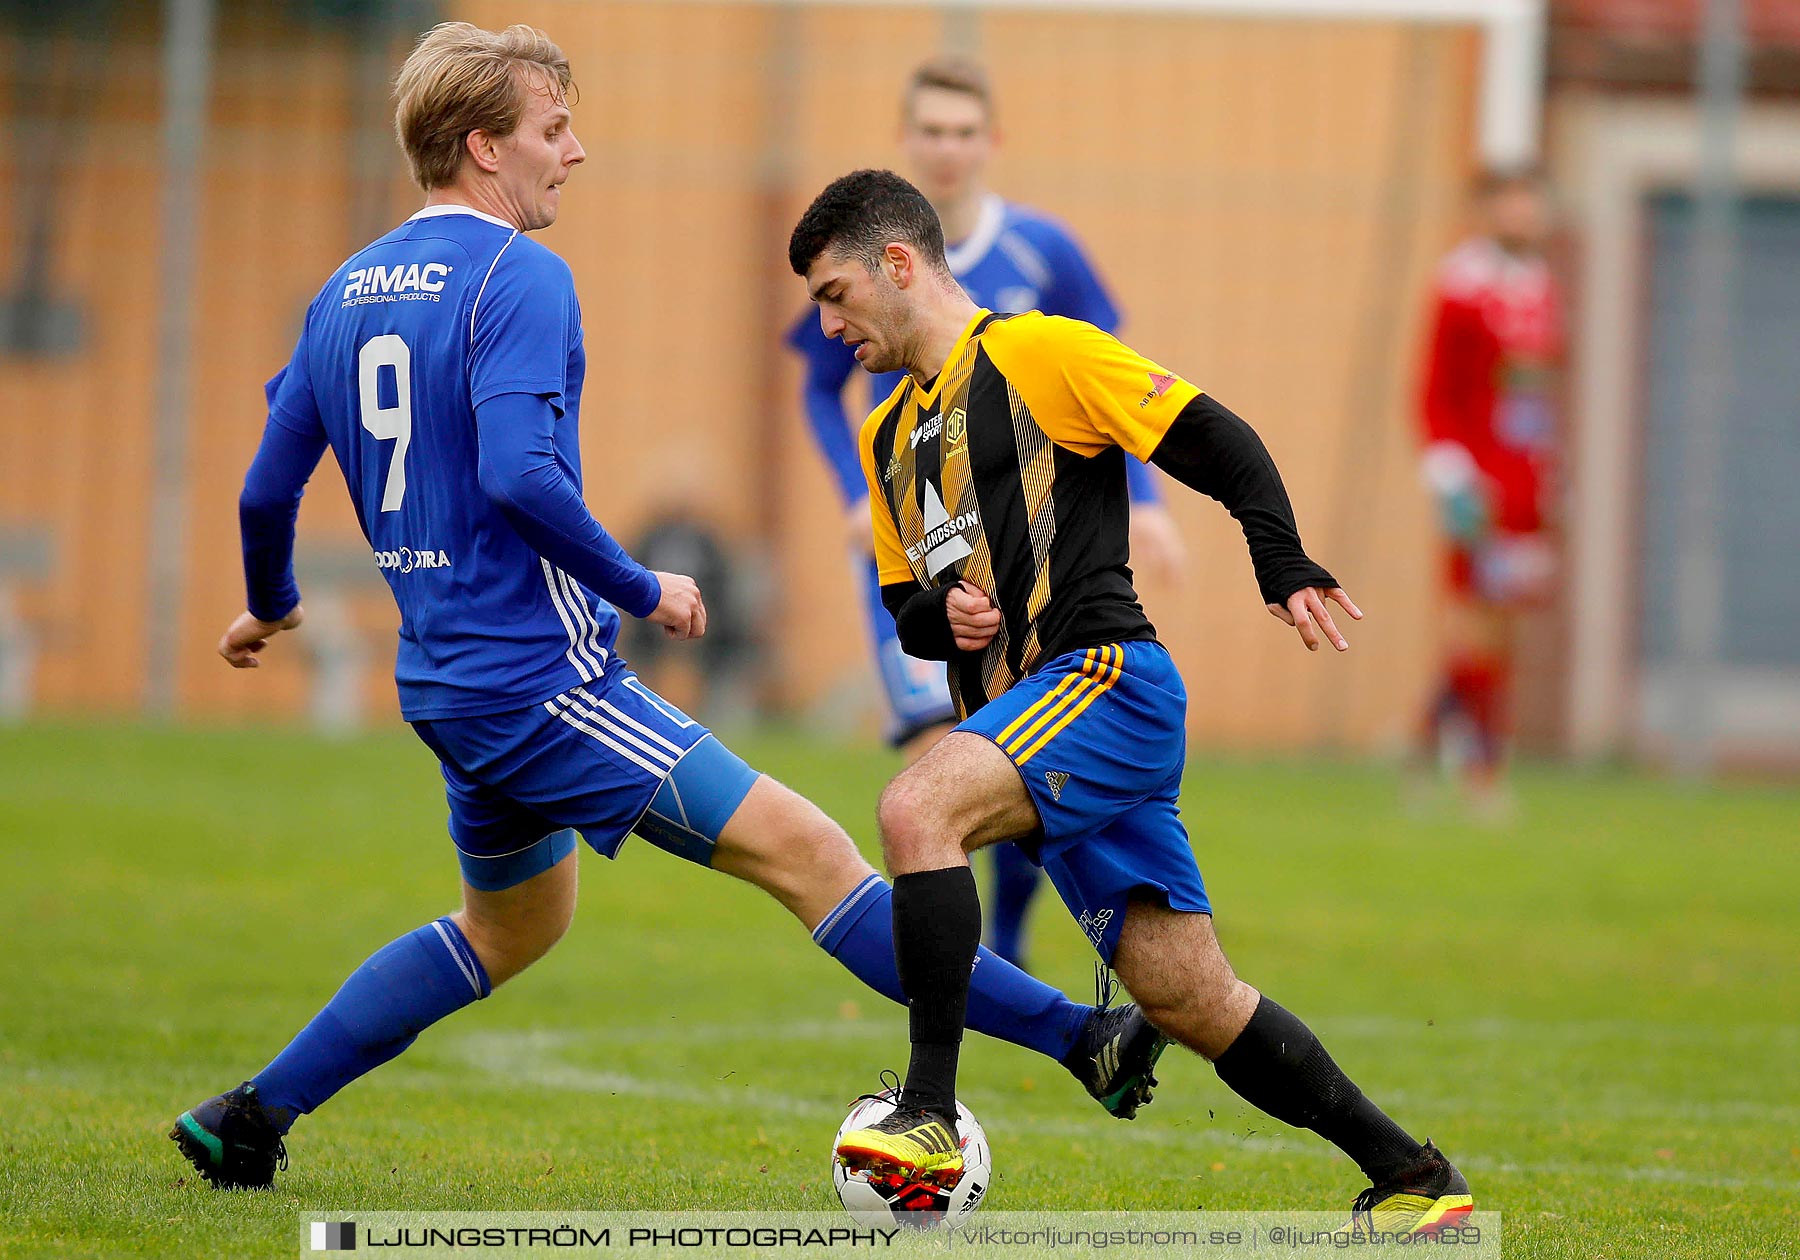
x,y
443,364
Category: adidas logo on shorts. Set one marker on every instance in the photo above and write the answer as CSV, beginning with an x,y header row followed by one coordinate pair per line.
x,y
1057,779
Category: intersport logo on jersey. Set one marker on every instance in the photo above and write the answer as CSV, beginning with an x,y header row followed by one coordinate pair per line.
x,y
403,282
927,431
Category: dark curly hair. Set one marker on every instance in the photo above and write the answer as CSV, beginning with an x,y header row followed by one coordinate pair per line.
x,y
859,215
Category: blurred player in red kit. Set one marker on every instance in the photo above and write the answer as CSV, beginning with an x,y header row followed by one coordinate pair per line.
x,y
1491,440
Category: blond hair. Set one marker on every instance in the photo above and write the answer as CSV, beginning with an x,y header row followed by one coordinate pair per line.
x,y
950,73
460,78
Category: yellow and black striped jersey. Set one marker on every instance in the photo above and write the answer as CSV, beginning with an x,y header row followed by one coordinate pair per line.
x,y
1008,472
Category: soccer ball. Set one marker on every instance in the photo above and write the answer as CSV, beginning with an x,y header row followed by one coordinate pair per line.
x,y
878,1201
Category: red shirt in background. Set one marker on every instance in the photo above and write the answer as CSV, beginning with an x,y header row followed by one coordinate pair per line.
x,y
1497,338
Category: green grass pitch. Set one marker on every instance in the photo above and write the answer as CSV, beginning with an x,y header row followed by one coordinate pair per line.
x,y
1596,1011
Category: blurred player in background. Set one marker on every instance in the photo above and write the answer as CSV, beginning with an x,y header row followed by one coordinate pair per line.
x,y
1491,437
443,365
1010,258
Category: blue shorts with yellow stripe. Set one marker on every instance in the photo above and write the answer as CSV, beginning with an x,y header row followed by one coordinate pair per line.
x,y
1099,737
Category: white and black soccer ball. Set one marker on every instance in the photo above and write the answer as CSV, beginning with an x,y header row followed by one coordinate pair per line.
x,y
882,1201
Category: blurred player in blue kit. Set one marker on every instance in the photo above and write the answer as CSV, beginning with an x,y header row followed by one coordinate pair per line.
x,y
1007,257
443,365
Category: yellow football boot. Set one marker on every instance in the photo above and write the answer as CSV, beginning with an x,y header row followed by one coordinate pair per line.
x,y
916,1145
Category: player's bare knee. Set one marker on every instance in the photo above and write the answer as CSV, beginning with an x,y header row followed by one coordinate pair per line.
x,y
509,940
914,834
894,816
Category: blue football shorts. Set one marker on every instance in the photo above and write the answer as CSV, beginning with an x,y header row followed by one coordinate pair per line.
x,y
1099,739
918,696
606,759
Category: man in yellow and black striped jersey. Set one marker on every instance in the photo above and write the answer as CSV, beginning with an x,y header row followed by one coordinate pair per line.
x,y
997,489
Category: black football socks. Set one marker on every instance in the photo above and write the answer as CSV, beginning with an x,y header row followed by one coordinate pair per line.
x,y
937,929
1278,1065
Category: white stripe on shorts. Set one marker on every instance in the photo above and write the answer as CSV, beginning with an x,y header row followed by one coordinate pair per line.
x,y
628,720
619,732
658,772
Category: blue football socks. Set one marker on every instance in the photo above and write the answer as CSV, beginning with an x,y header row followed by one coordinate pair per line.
x,y
1004,1002
413,982
403,989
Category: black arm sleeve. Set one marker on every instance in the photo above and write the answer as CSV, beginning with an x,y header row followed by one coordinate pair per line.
x,y
1213,451
920,617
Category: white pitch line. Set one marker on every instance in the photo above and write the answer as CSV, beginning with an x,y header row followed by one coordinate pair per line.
x,y
1495,1028
687,1034
529,1058
1598,1107
1772,1036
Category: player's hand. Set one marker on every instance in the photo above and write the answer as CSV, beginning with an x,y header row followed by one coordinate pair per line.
x,y
859,534
1306,612
248,635
974,620
680,612
1156,546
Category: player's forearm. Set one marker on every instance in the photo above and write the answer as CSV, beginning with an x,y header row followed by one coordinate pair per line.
x,y
520,475
545,516
270,591
831,431
921,619
1213,451
266,512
